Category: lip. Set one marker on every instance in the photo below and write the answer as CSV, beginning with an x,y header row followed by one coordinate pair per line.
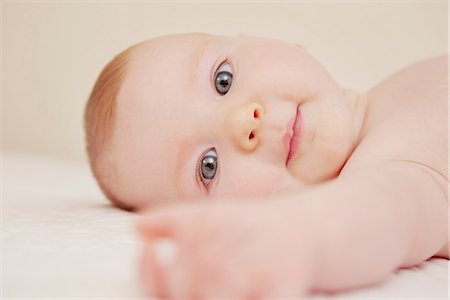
x,y
292,136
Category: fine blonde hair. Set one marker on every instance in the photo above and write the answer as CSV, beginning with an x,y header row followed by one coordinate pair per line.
x,y
99,120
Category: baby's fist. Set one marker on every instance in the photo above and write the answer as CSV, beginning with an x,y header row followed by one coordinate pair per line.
x,y
227,250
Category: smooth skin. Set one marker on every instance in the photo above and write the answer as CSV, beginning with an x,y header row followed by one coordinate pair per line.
x,y
365,194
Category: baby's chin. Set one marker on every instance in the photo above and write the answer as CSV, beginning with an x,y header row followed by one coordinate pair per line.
x,y
320,162
314,172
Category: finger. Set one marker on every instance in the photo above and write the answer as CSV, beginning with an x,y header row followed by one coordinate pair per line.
x,y
165,221
160,269
159,223
167,230
171,269
151,229
151,274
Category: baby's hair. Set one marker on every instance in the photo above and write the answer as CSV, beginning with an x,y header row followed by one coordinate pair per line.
x,y
99,120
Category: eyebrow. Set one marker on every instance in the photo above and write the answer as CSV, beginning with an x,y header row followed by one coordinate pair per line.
x,y
183,157
196,58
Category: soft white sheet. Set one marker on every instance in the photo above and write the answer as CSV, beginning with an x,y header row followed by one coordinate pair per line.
x,y
61,239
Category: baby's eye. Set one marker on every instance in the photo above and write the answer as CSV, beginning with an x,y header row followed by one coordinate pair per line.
x,y
223,78
208,167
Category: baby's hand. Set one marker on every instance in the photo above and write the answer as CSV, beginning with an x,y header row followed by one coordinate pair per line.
x,y
227,250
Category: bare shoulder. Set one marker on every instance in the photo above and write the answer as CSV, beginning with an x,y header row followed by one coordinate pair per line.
x,y
407,120
420,83
406,124
416,97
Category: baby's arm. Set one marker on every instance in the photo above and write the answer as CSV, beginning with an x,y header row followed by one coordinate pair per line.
x,y
370,223
348,232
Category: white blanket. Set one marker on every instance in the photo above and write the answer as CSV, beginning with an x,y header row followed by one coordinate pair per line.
x,y
61,239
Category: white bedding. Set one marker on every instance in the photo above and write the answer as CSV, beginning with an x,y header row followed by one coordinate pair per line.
x,y
61,239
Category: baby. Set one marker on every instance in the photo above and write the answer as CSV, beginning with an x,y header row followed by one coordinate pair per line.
x,y
268,178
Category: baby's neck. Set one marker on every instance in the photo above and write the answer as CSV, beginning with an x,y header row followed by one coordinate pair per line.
x,y
359,104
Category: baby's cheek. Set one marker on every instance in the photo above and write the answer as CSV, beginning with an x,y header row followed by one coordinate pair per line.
x,y
261,184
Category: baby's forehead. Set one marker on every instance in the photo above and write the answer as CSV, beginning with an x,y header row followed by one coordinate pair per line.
x,y
163,59
166,45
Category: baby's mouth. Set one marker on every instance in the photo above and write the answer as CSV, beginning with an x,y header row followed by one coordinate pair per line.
x,y
292,136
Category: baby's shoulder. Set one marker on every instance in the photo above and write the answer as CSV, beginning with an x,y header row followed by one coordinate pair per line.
x,y
422,83
411,103
407,117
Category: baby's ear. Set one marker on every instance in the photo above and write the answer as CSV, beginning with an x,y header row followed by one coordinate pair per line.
x,y
301,46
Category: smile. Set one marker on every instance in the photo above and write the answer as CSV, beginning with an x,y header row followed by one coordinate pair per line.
x,y
292,136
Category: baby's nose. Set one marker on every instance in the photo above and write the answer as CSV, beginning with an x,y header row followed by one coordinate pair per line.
x,y
244,123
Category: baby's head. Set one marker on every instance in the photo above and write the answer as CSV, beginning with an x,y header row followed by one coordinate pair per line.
x,y
198,116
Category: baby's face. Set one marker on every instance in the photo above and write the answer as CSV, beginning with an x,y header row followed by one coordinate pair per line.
x,y
205,116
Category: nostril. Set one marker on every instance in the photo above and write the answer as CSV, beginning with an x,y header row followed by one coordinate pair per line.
x,y
256,114
251,136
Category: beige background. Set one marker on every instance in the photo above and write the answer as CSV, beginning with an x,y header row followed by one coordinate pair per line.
x,y
53,52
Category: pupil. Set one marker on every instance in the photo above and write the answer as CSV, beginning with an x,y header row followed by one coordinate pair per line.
x,y
223,82
209,166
